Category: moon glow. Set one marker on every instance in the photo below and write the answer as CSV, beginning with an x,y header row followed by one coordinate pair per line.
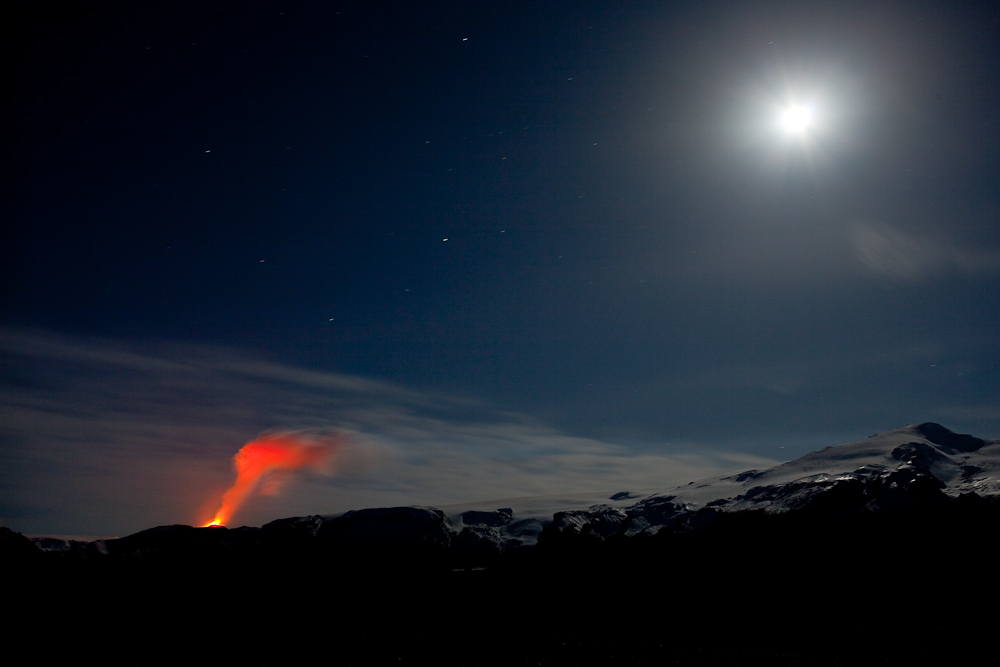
x,y
797,119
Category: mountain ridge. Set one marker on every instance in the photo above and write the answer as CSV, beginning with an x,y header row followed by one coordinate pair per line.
x,y
873,552
918,463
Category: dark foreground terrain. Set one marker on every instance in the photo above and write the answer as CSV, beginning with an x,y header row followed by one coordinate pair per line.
x,y
882,567
783,590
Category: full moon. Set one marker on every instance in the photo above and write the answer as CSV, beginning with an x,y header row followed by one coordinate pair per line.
x,y
797,118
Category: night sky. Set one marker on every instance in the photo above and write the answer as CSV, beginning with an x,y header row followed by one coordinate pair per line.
x,y
511,247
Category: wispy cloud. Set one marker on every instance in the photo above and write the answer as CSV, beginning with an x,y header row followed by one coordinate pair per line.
x,y
888,251
102,437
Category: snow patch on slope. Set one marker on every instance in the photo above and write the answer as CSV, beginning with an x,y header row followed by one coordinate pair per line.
x,y
918,453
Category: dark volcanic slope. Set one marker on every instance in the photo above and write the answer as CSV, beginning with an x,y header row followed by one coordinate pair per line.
x,y
815,561
915,470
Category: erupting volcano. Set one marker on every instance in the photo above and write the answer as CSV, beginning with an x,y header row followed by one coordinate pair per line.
x,y
274,452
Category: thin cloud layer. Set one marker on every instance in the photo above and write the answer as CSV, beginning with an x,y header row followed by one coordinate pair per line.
x,y
890,252
104,438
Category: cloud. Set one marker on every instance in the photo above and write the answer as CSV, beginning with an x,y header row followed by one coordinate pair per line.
x,y
887,251
103,437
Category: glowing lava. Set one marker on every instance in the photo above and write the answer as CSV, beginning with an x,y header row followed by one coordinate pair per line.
x,y
272,453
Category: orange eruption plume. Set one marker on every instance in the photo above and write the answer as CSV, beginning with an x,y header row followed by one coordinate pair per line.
x,y
274,452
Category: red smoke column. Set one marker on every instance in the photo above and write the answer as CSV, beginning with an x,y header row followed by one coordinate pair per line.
x,y
271,453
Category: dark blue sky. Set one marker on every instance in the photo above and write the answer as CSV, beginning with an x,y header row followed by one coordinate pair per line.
x,y
635,251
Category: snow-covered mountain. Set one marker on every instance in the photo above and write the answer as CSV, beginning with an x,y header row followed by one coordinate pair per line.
x,y
915,467
919,463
